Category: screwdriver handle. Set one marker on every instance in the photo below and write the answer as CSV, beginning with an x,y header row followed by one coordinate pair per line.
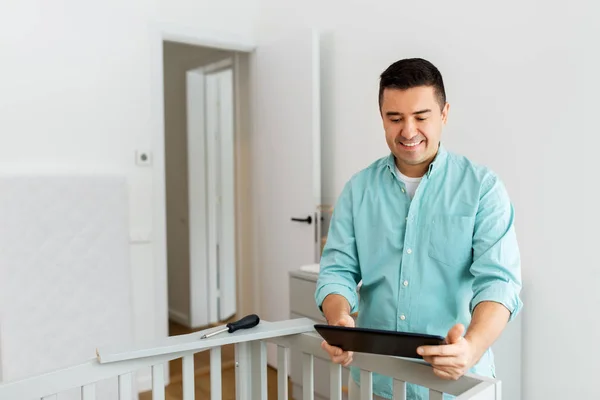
x,y
249,321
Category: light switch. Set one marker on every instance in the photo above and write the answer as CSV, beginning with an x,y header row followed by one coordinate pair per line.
x,y
143,158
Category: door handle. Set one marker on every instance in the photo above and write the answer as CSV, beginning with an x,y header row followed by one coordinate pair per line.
x,y
308,220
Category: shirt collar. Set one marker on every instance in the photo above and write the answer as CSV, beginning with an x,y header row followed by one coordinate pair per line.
x,y
438,162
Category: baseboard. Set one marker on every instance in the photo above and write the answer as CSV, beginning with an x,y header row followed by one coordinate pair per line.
x,y
179,317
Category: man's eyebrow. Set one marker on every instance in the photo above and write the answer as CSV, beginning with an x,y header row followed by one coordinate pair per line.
x,y
391,113
422,112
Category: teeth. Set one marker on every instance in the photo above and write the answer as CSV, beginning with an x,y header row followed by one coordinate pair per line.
x,y
411,144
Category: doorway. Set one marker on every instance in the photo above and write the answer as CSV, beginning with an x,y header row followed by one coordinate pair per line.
x,y
198,108
272,192
206,200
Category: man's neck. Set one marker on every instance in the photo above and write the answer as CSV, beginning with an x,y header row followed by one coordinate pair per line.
x,y
413,171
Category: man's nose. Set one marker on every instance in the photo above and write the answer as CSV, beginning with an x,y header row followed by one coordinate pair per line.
x,y
409,131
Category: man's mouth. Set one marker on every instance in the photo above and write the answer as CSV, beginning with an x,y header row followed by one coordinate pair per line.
x,y
410,145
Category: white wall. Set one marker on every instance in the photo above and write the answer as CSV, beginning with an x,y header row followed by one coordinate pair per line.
x,y
232,18
522,85
76,95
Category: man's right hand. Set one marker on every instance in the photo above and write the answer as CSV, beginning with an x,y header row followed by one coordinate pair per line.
x,y
337,355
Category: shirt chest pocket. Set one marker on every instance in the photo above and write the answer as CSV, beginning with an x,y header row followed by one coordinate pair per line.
x,y
451,239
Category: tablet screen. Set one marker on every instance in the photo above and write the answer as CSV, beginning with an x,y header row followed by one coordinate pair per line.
x,y
375,341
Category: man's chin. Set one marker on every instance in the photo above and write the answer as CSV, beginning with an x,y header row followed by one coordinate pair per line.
x,y
412,159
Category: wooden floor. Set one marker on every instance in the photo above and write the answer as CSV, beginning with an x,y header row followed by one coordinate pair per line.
x,y
202,373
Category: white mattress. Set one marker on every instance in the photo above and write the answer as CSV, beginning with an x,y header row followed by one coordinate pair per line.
x,y
64,272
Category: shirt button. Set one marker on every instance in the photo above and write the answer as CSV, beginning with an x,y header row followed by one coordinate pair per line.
x,y
402,317
409,251
403,190
405,283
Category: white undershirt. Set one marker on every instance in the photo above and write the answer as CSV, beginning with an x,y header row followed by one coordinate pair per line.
x,y
411,183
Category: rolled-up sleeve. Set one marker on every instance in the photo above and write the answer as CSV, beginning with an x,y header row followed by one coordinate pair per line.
x,y
339,269
496,258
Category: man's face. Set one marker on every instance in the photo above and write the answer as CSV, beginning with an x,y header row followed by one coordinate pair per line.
x,y
413,123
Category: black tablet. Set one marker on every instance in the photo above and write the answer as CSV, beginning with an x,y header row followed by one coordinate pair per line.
x,y
375,341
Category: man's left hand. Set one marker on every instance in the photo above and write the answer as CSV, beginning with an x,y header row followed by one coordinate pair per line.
x,y
452,359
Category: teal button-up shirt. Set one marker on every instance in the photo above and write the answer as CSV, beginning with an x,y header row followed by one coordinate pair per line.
x,y
426,263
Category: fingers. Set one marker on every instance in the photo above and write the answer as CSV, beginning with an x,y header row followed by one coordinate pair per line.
x,y
459,362
437,361
448,373
337,355
450,367
348,360
450,360
345,320
455,334
444,350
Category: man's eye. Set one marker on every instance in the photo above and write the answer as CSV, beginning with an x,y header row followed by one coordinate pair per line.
x,y
421,119
396,120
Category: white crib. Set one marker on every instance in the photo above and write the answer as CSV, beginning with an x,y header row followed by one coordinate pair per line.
x,y
251,368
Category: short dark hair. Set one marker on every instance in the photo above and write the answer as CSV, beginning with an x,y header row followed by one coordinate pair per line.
x,y
412,72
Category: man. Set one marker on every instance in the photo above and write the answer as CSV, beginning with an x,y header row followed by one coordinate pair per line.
x,y
430,234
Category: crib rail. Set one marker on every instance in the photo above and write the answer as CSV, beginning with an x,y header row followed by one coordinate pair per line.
x,y
402,370
251,368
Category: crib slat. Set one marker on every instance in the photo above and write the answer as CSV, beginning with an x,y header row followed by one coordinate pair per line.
x,y
308,384
435,395
125,387
215,373
187,366
259,370
251,370
243,376
88,392
399,390
335,381
498,387
366,385
158,382
282,373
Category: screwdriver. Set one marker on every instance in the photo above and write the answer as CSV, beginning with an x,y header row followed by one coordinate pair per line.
x,y
249,321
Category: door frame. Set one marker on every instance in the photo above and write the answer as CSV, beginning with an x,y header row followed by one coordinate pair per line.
x,y
161,32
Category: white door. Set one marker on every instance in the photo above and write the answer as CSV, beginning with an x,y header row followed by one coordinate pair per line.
x,y
211,179
199,298
221,183
287,141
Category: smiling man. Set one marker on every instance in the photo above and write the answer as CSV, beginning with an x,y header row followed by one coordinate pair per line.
x,y
430,234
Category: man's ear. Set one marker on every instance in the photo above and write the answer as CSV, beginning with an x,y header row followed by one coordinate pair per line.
x,y
445,112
